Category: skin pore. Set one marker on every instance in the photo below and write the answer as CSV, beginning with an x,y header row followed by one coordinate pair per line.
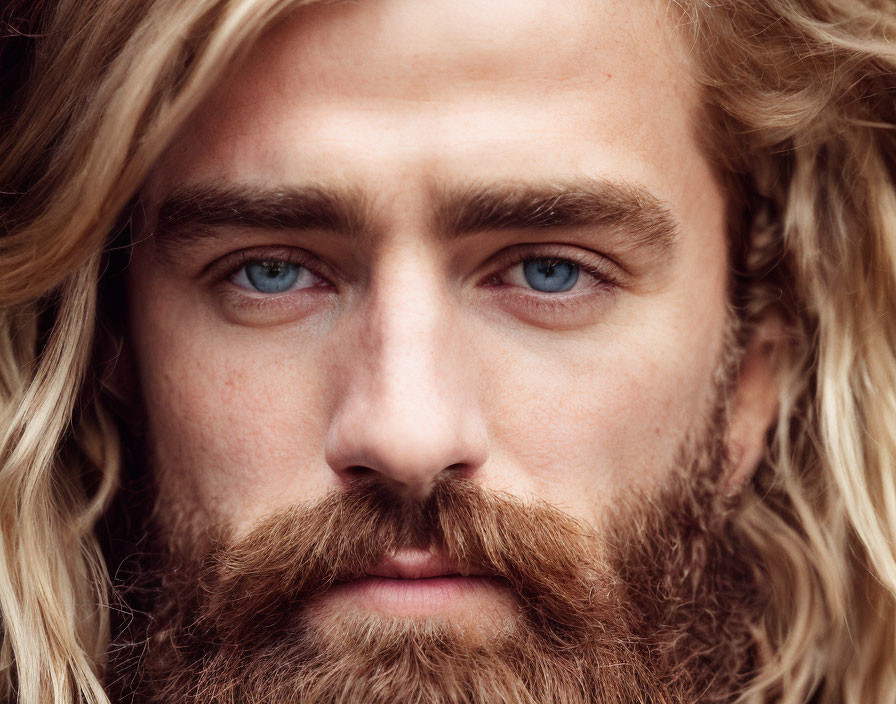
x,y
339,281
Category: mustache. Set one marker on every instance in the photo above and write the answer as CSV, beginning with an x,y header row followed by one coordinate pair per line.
x,y
551,561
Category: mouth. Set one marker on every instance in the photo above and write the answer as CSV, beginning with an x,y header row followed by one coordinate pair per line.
x,y
414,582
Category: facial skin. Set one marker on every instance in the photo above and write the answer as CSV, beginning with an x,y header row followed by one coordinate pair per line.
x,y
405,352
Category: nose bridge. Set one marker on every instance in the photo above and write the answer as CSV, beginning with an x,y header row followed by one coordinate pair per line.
x,y
411,342
406,413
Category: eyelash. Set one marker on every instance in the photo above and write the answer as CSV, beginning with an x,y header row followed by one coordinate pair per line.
x,y
232,263
604,278
517,255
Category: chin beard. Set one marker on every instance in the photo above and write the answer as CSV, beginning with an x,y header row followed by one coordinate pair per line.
x,y
657,606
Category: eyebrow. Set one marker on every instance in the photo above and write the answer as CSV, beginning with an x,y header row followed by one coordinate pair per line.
x,y
645,219
192,213
190,210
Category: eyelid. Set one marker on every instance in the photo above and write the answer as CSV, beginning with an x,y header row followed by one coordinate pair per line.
x,y
227,266
597,266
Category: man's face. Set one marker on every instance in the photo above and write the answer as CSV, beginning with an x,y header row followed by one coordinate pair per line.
x,y
410,241
401,345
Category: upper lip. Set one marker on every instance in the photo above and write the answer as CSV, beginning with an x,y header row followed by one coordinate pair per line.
x,y
419,564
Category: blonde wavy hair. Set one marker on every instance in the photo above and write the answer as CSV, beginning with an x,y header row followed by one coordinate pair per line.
x,y
799,116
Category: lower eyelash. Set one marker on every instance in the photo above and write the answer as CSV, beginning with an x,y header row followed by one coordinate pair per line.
x,y
556,311
274,308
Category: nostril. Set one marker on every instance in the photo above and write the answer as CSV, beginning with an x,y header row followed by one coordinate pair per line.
x,y
359,472
462,470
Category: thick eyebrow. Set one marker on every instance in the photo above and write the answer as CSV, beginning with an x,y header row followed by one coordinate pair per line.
x,y
645,219
188,211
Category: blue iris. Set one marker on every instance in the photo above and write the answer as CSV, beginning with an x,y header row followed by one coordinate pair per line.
x,y
272,276
550,275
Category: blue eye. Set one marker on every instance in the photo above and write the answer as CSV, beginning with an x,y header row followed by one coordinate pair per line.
x,y
550,275
272,275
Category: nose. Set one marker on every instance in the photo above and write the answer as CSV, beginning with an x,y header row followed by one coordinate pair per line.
x,y
406,410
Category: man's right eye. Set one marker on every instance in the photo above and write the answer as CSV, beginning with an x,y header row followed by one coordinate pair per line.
x,y
274,276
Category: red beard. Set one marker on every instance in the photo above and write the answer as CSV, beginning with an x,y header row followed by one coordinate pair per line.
x,y
657,607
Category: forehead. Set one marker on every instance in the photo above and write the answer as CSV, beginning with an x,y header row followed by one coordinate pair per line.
x,y
444,89
441,45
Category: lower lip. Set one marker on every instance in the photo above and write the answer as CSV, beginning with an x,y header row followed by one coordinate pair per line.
x,y
431,595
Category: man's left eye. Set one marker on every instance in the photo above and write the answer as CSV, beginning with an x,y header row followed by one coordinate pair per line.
x,y
273,276
544,274
550,275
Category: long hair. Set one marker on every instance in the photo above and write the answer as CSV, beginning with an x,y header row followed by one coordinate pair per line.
x,y
799,117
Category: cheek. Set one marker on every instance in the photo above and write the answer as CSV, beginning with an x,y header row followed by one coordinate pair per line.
x,y
235,419
605,413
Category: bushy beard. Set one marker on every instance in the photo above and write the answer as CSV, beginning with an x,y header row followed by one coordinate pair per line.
x,y
657,606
